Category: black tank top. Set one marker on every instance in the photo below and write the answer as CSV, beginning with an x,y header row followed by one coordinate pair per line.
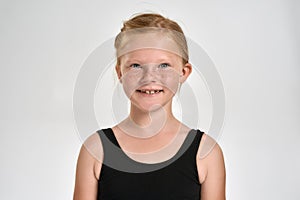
x,y
122,178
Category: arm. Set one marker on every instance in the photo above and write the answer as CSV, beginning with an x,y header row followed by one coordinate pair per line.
x,y
211,170
88,170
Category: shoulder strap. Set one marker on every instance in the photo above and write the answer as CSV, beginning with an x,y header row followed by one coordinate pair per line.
x,y
110,135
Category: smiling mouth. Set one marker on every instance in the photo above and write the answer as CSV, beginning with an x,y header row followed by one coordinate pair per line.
x,y
150,91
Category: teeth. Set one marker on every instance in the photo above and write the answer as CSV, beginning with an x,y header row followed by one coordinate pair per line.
x,y
150,91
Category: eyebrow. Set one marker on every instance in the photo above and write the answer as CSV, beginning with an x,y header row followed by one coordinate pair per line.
x,y
159,60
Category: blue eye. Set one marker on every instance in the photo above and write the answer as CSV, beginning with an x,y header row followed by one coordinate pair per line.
x,y
164,65
135,65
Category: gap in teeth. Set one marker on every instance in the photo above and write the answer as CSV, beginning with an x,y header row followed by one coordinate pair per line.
x,y
150,91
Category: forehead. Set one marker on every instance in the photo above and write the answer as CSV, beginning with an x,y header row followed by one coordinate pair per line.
x,y
142,39
150,55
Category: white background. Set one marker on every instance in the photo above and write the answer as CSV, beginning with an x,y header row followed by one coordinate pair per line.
x,y
254,44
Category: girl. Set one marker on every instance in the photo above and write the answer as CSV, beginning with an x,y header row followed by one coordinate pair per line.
x,y
150,154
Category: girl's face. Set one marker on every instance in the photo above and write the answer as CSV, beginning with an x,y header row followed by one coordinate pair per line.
x,y
151,77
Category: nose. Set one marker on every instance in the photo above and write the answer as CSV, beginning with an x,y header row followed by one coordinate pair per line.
x,y
149,74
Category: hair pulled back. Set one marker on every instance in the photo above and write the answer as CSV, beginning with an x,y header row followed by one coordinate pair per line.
x,y
152,20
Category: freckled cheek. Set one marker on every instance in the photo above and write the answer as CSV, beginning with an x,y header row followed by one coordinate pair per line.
x,y
130,84
172,84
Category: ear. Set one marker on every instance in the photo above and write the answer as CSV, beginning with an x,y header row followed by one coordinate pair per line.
x,y
185,72
119,73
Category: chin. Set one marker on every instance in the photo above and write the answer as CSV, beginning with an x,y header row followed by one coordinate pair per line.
x,y
148,107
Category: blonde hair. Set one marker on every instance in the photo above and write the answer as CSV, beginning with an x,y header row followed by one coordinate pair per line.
x,y
152,20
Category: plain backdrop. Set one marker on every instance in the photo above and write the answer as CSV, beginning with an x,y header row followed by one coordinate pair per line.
x,y
255,45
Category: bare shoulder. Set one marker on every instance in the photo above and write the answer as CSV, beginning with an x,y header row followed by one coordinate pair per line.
x,y
211,168
93,145
209,148
88,168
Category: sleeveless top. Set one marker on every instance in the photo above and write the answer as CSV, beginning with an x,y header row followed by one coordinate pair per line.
x,y
123,178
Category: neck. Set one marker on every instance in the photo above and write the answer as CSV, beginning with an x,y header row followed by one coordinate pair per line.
x,y
144,124
145,119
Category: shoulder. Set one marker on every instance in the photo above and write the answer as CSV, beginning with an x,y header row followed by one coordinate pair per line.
x,y
91,154
208,147
88,168
211,169
209,158
93,145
